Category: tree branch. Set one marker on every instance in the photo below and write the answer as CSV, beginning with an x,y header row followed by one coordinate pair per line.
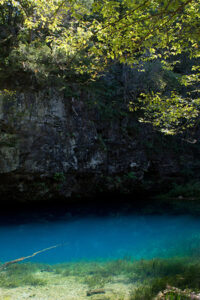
x,y
26,257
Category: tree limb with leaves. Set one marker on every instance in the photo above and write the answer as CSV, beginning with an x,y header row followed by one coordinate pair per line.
x,y
83,37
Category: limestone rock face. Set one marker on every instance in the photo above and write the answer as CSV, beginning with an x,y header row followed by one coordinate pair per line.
x,y
52,145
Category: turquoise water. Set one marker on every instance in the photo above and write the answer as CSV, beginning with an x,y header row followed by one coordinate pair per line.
x,y
102,238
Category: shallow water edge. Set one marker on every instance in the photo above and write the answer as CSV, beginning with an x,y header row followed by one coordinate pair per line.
x,y
124,279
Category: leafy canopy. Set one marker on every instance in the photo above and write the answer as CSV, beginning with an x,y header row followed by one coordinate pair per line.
x,y
123,29
83,37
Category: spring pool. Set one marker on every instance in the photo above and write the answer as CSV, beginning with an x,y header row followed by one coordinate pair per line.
x,y
102,238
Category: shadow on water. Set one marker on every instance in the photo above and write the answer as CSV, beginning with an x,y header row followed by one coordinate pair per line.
x,y
98,205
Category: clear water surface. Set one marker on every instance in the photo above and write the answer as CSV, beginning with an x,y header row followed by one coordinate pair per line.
x,y
105,238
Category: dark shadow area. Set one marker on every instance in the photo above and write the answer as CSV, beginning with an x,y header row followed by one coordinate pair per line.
x,y
109,204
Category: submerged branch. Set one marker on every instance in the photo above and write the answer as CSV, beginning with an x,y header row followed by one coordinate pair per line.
x,y
26,257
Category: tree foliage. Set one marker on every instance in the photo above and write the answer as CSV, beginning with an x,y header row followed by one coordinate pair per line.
x,y
77,39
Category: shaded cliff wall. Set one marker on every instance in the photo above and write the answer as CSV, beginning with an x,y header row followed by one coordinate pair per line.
x,y
51,146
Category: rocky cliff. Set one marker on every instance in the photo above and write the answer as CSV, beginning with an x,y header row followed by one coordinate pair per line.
x,y
52,145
